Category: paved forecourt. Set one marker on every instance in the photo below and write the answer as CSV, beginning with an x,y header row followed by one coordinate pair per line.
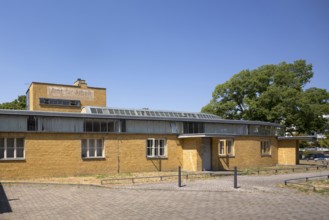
x,y
257,198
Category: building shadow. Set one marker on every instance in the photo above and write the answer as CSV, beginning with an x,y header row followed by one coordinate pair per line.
x,y
4,203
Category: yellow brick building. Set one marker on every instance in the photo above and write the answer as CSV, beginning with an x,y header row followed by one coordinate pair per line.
x,y
52,138
64,98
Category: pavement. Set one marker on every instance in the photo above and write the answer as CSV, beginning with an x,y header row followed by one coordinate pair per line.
x,y
258,197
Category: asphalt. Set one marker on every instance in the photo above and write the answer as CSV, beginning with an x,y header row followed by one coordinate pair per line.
x,y
258,197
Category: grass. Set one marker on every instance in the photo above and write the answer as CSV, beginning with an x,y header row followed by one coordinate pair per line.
x,y
125,178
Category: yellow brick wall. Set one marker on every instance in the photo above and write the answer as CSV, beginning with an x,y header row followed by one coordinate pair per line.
x,y
38,90
51,155
247,154
58,154
287,152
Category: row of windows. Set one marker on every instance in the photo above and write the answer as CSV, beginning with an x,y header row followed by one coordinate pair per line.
x,y
193,127
94,148
226,147
89,125
13,148
103,125
108,125
60,102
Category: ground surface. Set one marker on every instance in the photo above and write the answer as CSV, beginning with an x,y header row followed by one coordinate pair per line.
x,y
258,197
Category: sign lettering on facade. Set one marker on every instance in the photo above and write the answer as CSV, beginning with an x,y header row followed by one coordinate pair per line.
x,y
70,93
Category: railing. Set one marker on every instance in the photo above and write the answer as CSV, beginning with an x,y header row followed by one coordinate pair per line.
x,y
293,169
306,179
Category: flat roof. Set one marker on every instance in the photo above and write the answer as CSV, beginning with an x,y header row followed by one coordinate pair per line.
x,y
156,117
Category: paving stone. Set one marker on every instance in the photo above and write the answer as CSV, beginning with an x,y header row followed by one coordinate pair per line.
x,y
258,197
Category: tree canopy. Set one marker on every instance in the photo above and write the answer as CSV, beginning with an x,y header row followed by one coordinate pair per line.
x,y
18,104
273,93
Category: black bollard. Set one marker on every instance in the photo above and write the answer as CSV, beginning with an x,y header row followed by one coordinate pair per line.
x,y
235,177
179,177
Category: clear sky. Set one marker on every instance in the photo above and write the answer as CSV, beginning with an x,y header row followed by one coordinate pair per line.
x,y
167,54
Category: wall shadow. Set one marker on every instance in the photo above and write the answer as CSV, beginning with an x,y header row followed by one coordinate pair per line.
x,y
4,203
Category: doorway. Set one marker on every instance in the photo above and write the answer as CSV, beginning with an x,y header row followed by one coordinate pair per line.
x,y
206,154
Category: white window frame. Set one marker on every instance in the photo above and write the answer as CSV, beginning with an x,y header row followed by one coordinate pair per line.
x,y
5,149
223,147
265,148
155,150
92,153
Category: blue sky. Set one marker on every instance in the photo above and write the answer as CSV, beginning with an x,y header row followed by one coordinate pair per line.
x,y
167,54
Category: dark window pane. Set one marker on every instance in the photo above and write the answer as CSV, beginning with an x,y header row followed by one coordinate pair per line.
x,y
2,142
162,147
10,152
186,127
201,128
20,142
32,123
103,126
156,148
92,148
2,153
20,153
111,126
88,125
190,128
96,126
195,127
2,148
123,125
10,143
149,147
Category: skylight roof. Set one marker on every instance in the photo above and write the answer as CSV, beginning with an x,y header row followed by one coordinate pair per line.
x,y
148,113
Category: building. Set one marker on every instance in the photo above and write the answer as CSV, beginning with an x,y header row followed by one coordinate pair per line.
x,y
68,130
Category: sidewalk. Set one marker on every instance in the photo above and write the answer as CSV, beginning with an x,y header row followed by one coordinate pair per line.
x,y
257,198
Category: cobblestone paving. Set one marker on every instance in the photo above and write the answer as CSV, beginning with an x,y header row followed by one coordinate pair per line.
x,y
257,198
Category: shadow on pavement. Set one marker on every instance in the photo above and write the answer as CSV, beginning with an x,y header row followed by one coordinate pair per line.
x,y
4,203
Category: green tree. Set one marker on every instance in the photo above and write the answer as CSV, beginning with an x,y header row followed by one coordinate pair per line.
x,y
18,104
273,93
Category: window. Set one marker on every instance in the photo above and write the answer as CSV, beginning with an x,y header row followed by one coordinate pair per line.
x,y
155,148
92,148
226,147
32,123
193,127
104,125
221,147
265,148
61,102
11,148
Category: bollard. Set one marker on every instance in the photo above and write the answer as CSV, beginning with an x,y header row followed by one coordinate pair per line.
x,y
235,178
179,177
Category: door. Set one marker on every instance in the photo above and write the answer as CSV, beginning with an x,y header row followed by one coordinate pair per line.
x,y
206,154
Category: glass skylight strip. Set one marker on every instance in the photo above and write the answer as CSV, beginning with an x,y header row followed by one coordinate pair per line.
x,y
148,113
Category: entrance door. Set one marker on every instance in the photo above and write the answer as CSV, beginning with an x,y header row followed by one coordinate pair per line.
x,y
206,154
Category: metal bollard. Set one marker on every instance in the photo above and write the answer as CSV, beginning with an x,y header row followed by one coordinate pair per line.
x,y
235,177
179,177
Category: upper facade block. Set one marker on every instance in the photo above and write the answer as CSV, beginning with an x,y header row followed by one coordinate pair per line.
x,y
63,98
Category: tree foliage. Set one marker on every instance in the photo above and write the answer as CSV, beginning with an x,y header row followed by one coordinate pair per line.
x,y
273,93
18,104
